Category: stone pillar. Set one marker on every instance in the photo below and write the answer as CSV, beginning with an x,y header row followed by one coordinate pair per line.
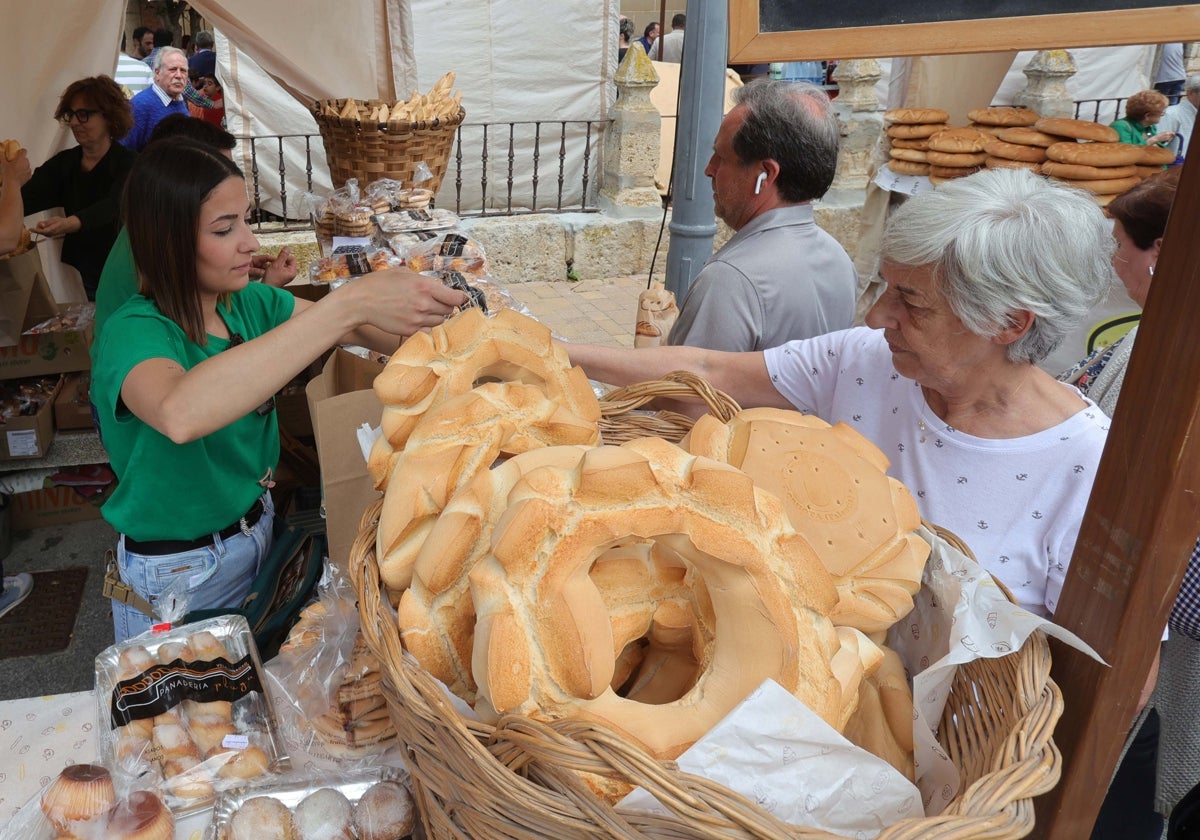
x,y
1046,91
631,143
1191,58
857,109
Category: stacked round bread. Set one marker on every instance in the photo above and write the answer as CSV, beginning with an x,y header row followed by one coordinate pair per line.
x,y
1020,147
646,587
908,132
956,153
1090,157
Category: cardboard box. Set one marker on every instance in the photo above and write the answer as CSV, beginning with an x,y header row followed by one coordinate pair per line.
x,y
72,406
64,351
29,437
53,506
25,296
340,400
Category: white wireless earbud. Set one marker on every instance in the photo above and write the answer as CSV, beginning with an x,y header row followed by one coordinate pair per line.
x,y
762,176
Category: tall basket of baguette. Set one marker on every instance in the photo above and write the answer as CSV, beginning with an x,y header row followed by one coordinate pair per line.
x,y
520,779
360,144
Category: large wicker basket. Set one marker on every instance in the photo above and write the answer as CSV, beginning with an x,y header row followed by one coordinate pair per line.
x,y
356,147
519,779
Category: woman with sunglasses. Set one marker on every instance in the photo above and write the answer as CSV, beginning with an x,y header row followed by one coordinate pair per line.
x,y
184,375
86,180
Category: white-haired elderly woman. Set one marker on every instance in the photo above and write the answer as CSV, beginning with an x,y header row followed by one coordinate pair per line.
x,y
985,275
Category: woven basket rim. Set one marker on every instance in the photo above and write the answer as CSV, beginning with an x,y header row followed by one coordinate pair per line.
x,y
1022,764
390,127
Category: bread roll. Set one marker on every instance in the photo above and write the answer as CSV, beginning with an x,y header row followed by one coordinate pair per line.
x,y
952,172
1022,136
1083,172
915,132
961,160
1112,186
905,167
914,155
959,141
1011,151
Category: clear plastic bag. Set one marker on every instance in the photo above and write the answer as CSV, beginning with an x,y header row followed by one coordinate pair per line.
x,y
185,712
449,252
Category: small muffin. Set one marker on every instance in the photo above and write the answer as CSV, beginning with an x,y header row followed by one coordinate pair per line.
x,y
80,792
262,818
324,814
384,812
141,817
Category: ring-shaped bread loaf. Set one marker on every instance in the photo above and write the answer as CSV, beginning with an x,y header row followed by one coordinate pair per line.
x,y
1156,156
1003,116
1014,151
543,644
837,495
451,359
449,446
915,116
1083,172
959,141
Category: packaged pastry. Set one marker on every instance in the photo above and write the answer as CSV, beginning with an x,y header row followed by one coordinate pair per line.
x,y
368,805
83,802
185,713
408,220
348,261
449,252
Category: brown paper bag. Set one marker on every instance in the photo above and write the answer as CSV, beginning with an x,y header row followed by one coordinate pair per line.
x,y
656,314
25,297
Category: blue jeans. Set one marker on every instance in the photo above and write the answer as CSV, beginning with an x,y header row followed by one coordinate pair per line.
x,y
218,575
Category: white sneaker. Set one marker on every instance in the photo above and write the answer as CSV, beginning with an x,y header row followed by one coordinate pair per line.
x,y
16,590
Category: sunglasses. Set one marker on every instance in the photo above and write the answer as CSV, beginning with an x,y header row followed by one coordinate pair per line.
x,y
83,115
267,407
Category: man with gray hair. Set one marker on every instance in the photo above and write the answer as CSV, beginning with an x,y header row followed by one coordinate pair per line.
x,y
163,97
1181,117
780,277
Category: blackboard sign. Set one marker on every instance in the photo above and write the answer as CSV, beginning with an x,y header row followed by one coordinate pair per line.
x,y
796,30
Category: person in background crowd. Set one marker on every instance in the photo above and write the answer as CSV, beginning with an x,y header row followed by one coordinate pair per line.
x,y
185,44
164,97
625,30
986,275
143,42
1180,118
1168,738
204,44
131,74
1139,126
184,379
162,38
649,36
118,280
1169,79
203,67
780,277
672,42
85,180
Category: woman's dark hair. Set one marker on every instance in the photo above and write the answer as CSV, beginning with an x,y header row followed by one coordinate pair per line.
x,y
161,209
106,97
1143,209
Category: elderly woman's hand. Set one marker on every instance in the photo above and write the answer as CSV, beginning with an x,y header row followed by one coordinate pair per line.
x,y
58,226
1162,138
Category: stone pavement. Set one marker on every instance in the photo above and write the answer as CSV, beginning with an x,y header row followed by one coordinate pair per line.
x,y
595,311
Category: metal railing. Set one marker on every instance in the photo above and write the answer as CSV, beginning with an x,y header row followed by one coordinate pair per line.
x,y
526,154
1100,110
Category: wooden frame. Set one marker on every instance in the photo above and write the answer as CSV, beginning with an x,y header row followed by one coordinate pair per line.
x,y
749,45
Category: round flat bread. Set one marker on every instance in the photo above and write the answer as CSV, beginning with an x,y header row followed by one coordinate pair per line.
x,y
914,155
1023,136
1029,154
1003,116
907,167
915,116
900,143
1083,172
1112,186
953,171
959,160
915,132
1156,156
1095,154
1079,129
959,141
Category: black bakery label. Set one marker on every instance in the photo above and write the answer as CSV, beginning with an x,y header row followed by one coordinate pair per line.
x,y
161,688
